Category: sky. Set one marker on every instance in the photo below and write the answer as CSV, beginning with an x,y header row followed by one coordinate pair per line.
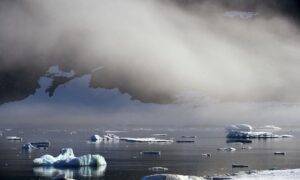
x,y
221,70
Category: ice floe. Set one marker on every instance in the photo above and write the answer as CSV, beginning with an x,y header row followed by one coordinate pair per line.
x,y
151,153
288,174
68,159
171,177
148,140
158,169
227,149
35,145
14,138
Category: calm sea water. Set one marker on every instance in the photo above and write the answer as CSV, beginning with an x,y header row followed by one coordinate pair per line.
x,y
124,159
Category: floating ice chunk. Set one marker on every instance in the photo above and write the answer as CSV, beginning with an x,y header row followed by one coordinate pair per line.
x,y
185,141
111,137
14,138
68,159
159,134
288,174
158,169
286,136
239,166
239,127
226,149
188,136
149,140
206,155
279,153
240,14
28,147
171,177
96,138
36,145
155,153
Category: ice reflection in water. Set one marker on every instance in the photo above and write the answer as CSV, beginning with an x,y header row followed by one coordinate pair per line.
x,y
70,172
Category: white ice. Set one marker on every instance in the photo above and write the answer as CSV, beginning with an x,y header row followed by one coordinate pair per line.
x,y
149,140
288,174
171,177
68,159
243,131
96,138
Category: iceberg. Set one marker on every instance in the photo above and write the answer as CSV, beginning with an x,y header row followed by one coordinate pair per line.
x,y
36,145
245,131
239,127
68,159
153,153
96,138
111,137
227,149
158,169
14,138
149,140
171,177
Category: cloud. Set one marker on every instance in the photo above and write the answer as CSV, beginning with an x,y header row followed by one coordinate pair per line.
x,y
161,46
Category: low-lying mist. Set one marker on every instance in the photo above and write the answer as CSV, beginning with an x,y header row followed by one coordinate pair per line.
x,y
163,46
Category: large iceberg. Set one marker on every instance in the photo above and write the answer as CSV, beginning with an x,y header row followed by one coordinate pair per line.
x,y
68,159
245,131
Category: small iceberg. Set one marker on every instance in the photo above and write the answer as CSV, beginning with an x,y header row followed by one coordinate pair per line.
x,y
151,153
286,136
185,141
206,155
239,166
171,177
280,153
14,138
188,137
159,134
148,140
230,149
158,169
111,137
68,159
36,145
96,138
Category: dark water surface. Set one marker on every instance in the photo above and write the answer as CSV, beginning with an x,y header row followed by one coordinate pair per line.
x,y
124,159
